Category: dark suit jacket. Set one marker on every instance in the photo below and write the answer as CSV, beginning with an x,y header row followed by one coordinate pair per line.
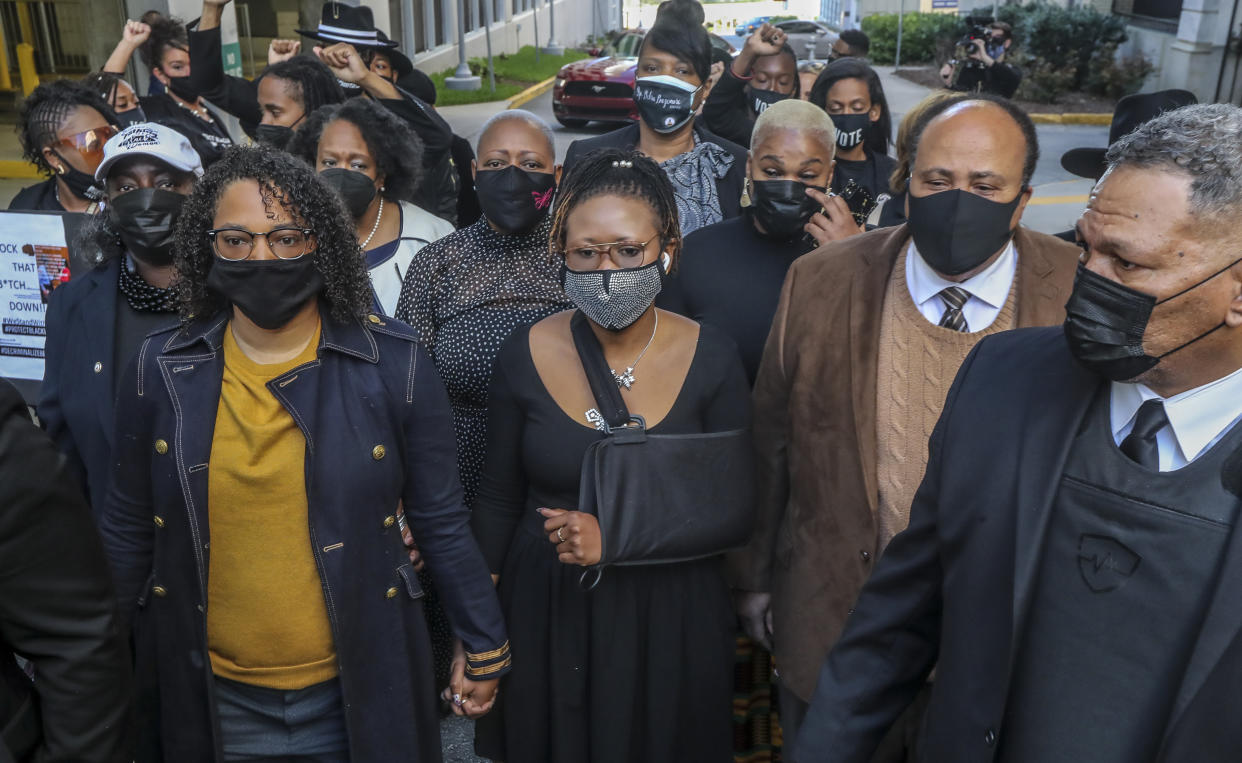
x,y
815,432
57,608
953,589
728,188
75,400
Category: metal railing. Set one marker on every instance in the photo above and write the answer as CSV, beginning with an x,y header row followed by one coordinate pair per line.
x,y
58,30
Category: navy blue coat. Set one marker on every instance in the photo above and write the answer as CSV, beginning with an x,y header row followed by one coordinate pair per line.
x,y
378,431
79,382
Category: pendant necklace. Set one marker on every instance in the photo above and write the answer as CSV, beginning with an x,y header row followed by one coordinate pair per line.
x,y
627,379
378,216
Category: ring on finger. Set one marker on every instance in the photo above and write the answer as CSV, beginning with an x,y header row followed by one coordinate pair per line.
x,y
560,534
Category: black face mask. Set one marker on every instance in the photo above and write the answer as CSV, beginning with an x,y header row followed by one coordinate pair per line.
x,y
1105,323
273,136
355,188
131,117
664,103
268,292
181,87
145,220
782,207
760,100
957,231
851,128
513,199
81,184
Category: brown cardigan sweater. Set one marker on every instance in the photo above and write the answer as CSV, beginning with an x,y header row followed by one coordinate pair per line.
x,y
815,431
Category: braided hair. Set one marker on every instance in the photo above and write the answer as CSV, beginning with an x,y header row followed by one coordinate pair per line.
x,y
47,108
617,172
286,181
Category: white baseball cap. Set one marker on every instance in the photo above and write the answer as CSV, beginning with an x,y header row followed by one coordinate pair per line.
x,y
154,140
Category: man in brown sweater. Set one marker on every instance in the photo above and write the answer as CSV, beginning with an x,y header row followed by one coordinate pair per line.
x,y
868,337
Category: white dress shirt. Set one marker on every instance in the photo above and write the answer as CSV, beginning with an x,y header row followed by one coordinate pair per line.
x,y
988,289
1198,418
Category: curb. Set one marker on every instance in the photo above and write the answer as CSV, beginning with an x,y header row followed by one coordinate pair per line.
x,y
18,169
1072,119
530,93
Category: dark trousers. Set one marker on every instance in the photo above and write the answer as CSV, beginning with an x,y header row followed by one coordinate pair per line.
x,y
274,726
900,744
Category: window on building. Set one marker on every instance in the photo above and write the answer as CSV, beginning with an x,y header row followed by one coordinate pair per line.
x,y
1169,10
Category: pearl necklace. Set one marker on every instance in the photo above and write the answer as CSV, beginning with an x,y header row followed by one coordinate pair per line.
x,y
378,216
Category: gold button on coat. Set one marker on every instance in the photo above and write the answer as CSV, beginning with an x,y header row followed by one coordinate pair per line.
x,y
378,452
159,521
389,521
390,593
98,366
374,319
161,447
160,591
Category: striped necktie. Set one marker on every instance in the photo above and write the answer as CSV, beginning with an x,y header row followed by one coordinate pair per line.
x,y
954,298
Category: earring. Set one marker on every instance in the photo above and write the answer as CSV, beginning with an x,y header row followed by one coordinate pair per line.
x,y
745,201
668,261
60,169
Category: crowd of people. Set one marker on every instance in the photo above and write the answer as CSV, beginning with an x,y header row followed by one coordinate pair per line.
x,y
734,435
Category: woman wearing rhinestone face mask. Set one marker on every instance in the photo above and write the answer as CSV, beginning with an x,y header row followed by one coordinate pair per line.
x,y
706,170
659,636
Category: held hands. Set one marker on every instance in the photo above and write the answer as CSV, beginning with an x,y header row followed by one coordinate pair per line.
x,y
282,50
344,62
416,557
981,52
755,612
473,699
833,225
135,33
575,534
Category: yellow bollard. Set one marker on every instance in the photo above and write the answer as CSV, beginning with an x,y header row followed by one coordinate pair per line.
x,y
6,79
26,67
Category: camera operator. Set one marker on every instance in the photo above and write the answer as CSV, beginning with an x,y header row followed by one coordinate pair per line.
x,y
980,65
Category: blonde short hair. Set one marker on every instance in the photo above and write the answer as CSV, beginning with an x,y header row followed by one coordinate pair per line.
x,y
801,116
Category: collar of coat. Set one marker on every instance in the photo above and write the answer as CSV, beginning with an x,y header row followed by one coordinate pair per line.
x,y
352,337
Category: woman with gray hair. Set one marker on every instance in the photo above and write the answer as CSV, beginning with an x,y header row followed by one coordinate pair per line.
x,y
731,273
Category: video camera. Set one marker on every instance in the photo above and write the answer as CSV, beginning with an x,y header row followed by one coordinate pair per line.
x,y
977,28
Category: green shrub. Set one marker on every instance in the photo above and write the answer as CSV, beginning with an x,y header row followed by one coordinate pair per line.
x,y
920,34
1043,81
1113,77
1066,35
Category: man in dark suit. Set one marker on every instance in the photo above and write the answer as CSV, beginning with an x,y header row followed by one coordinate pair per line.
x,y
867,337
1071,567
57,609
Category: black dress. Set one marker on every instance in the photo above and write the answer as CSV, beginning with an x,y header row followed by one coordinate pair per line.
x,y
641,668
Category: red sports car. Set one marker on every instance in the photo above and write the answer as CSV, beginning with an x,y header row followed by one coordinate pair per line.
x,y
602,89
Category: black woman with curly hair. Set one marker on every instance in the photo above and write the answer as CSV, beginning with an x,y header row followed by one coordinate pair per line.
x,y
641,667
373,159
162,44
63,128
263,450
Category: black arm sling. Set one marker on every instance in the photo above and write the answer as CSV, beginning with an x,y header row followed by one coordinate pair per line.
x,y
658,498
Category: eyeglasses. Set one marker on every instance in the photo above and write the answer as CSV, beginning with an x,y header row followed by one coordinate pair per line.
x,y
89,143
287,243
624,254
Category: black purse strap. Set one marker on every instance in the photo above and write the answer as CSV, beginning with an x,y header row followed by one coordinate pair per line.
x,y
603,384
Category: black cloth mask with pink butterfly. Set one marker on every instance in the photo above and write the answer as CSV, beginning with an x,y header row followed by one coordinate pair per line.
x,y
513,199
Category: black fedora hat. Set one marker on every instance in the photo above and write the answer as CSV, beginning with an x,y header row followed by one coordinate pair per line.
x,y
1131,111
345,23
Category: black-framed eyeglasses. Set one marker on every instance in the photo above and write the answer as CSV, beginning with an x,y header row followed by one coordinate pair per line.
x,y
624,254
286,242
